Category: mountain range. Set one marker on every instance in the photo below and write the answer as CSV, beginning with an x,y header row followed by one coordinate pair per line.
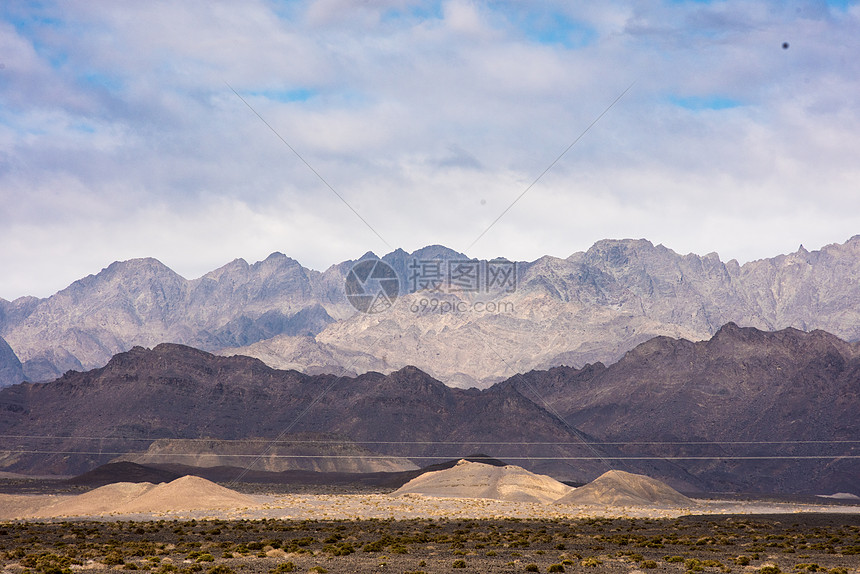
x,y
744,411
591,307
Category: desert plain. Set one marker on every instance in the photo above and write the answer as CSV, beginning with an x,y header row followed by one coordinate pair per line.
x,y
471,518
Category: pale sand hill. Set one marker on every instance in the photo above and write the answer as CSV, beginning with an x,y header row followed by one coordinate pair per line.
x,y
476,480
102,500
14,506
408,507
619,488
183,494
186,493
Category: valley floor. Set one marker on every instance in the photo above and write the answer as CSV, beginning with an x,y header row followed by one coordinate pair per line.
x,y
387,507
805,542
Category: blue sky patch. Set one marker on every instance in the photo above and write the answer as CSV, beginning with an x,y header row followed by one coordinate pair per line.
x,y
101,80
698,103
295,95
554,28
83,128
27,24
420,12
30,27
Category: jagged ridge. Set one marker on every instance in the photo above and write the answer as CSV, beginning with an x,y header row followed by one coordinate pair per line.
x,y
592,306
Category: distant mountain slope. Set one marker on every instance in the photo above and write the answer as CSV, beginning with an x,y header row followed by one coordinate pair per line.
x,y
143,302
745,392
11,371
592,306
174,391
308,451
747,411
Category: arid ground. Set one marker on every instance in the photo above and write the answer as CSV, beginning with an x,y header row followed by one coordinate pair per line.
x,y
191,525
736,543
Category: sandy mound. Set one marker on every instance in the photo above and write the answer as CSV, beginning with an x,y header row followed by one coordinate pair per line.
x,y
186,493
840,496
102,500
15,506
619,488
476,480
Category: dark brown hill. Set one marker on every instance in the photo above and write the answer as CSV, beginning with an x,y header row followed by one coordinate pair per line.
x,y
174,391
747,411
155,473
767,390
123,472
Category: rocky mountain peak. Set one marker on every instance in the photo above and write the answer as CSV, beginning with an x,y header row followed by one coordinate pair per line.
x,y
657,348
235,267
275,262
618,252
415,379
147,267
732,330
437,252
11,370
735,340
125,275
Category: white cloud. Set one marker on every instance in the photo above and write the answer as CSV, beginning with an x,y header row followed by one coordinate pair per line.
x,y
120,139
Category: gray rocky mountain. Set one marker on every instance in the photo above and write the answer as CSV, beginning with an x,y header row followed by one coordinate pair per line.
x,y
592,306
11,370
144,302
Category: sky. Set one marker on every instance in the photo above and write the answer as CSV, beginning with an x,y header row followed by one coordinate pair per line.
x,y
198,132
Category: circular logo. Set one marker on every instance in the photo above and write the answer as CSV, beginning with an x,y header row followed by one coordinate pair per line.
x,y
372,286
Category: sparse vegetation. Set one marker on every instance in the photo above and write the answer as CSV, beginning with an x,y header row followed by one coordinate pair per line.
x,y
597,545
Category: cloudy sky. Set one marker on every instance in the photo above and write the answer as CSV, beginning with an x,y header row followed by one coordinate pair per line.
x,y
121,135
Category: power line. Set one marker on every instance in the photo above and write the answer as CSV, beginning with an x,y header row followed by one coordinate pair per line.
x,y
459,456
549,167
438,442
309,166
